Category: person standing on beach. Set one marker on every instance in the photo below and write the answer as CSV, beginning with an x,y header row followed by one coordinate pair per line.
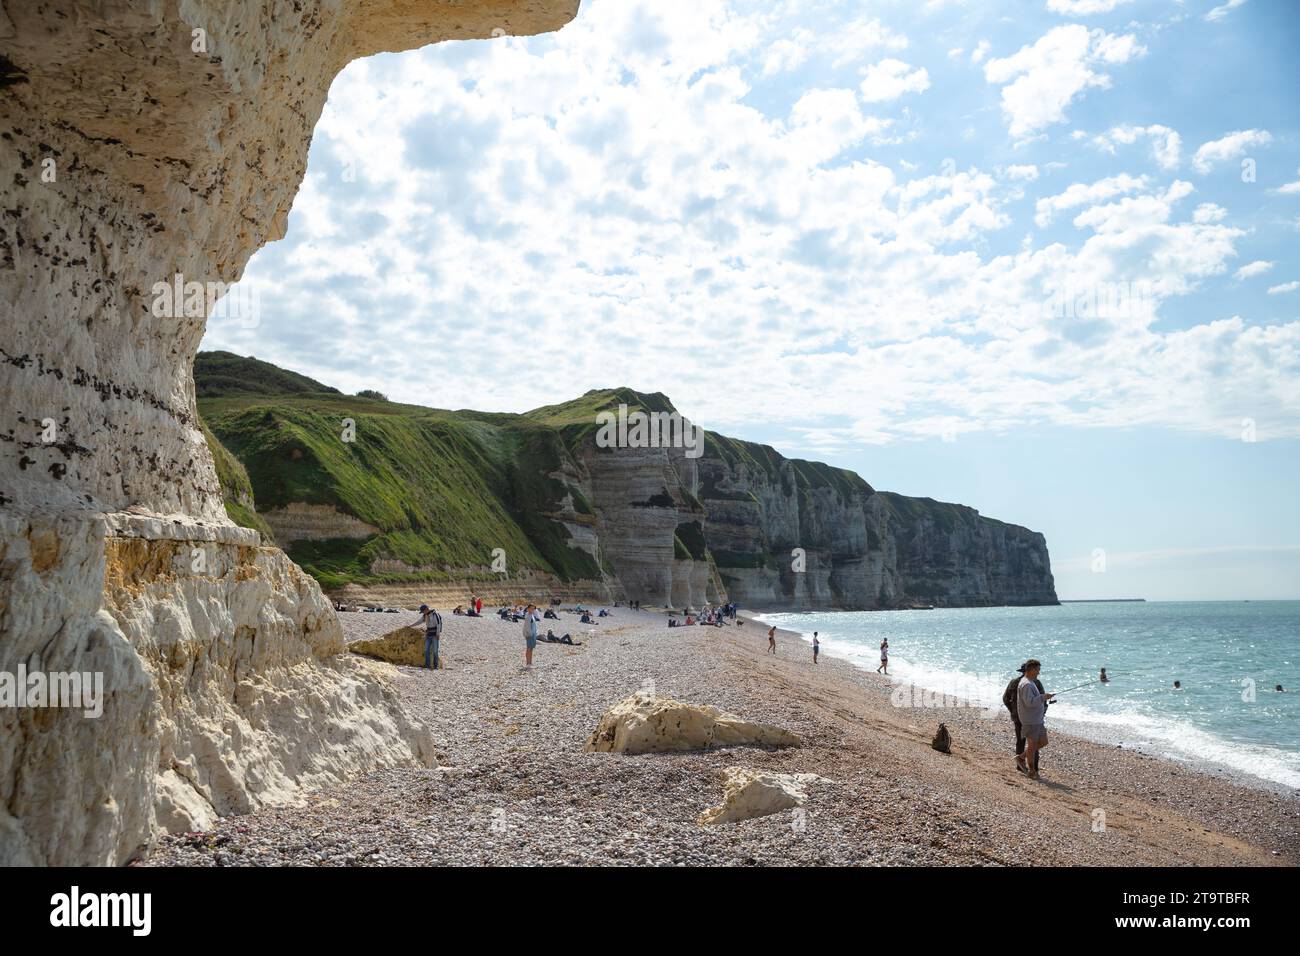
x,y
531,618
432,622
817,646
1031,706
884,657
771,639
1009,700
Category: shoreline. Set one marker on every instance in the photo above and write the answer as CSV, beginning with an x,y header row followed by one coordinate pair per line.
x,y
515,786
1092,731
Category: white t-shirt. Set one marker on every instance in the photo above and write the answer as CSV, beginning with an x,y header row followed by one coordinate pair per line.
x,y
530,623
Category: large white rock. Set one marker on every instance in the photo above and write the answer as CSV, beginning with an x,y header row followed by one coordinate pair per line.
x,y
645,723
141,141
757,793
225,688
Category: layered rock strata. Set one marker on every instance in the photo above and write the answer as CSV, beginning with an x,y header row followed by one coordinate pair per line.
x,y
145,147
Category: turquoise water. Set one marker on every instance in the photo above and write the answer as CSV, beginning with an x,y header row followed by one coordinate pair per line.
x,y
1214,648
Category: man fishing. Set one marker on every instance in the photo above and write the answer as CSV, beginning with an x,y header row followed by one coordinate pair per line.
x,y
1031,707
1010,700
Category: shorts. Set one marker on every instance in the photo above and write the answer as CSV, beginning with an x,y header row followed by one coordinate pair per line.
x,y
1034,733
532,642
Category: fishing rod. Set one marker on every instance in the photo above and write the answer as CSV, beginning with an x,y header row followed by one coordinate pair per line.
x,y
1095,680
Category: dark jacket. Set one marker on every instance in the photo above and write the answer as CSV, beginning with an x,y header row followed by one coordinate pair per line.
x,y
1009,696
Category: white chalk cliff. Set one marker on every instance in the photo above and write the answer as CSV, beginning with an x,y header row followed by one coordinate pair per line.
x,y
139,141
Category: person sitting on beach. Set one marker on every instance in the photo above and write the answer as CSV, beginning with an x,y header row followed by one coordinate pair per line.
x,y
566,639
587,618
690,620
1031,706
458,610
672,622
603,613
550,615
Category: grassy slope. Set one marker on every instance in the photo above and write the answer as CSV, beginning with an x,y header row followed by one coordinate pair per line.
x,y
444,487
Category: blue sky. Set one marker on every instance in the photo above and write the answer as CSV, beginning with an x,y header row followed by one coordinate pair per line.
x,y
1042,264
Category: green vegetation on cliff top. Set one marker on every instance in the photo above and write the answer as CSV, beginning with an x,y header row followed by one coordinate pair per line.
x,y
445,488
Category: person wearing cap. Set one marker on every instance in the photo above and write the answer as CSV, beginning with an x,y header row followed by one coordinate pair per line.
x,y
432,622
1009,700
1031,707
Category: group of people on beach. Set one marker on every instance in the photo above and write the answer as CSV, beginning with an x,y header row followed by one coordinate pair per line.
x,y
529,614
710,616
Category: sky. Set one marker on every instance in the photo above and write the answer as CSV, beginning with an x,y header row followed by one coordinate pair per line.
x,y
1043,264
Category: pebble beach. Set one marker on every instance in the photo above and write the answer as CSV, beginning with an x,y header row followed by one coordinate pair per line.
x,y
514,785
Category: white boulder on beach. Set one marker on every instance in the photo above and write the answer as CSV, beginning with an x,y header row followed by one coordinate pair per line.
x,y
646,723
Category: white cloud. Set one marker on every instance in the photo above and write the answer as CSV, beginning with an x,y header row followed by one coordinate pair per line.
x,y
1083,8
1221,11
613,204
890,79
1229,147
1252,269
1080,194
1209,212
1166,144
1289,189
981,50
1041,80
853,42
1283,288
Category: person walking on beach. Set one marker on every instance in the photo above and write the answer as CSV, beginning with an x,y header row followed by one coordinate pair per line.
x,y
1031,706
531,617
432,622
817,646
884,657
771,639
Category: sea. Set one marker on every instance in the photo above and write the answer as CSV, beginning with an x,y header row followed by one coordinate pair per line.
x,y
1227,655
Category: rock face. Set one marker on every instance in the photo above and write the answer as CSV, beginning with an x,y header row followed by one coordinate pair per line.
x,y
581,520
141,143
644,723
756,793
857,548
305,522
402,645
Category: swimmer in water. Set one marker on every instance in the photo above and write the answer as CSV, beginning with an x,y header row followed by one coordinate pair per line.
x,y
1103,678
1178,685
